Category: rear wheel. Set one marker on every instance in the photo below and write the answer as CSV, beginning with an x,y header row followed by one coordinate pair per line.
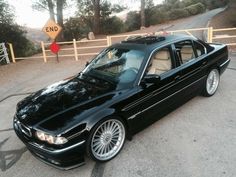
x,y
212,83
106,140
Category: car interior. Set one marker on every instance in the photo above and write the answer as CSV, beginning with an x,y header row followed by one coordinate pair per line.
x,y
185,51
161,62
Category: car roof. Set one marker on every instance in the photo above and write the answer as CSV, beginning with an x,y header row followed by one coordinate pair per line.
x,y
151,42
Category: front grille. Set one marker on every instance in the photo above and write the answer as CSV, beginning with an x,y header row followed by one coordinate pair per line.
x,y
24,129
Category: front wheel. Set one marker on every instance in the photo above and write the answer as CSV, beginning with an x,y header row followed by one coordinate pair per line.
x,y
106,140
211,83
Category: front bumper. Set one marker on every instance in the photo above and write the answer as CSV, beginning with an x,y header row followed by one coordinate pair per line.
x,y
63,158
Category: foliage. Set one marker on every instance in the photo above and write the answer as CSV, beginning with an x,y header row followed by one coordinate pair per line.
x,y
170,10
48,5
212,4
5,13
87,12
75,28
196,8
112,25
132,21
178,13
13,33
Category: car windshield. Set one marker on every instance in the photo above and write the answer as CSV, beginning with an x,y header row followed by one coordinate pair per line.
x,y
119,66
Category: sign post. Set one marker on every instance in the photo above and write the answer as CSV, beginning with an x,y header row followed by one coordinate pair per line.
x,y
54,47
52,29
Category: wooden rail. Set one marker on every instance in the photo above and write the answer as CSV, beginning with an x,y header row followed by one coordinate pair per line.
x,y
210,37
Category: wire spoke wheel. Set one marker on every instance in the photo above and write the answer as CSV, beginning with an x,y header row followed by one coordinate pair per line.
x,y
212,81
108,139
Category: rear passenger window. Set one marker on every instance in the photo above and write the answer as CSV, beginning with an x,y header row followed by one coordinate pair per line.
x,y
185,51
200,49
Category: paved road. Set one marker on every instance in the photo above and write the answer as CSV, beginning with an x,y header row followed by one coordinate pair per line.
x,y
198,139
198,21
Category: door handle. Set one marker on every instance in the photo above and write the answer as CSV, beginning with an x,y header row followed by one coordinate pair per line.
x,y
204,63
177,77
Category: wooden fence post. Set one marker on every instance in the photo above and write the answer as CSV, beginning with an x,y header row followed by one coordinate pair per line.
x,y
44,53
210,35
108,41
75,50
12,53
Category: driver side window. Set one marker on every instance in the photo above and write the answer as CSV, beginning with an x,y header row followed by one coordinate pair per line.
x,y
160,62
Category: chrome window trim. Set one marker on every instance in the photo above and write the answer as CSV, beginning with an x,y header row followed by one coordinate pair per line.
x,y
205,50
225,62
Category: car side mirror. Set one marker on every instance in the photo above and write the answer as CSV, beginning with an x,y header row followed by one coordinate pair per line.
x,y
151,78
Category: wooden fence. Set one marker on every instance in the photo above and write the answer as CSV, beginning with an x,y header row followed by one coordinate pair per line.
x,y
75,48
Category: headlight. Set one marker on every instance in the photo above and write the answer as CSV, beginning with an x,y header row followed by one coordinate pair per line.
x,y
50,139
40,135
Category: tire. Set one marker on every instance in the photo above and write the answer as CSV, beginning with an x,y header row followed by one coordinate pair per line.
x,y
211,83
106,139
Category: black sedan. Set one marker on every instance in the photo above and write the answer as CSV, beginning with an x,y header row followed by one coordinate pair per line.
x,y
125,88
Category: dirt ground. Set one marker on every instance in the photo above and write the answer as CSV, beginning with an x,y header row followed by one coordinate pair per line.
x,y
29,75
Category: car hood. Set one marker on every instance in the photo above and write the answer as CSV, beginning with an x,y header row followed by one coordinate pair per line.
x,y
60,96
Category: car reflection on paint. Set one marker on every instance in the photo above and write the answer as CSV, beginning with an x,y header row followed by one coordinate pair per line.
x,y
125,88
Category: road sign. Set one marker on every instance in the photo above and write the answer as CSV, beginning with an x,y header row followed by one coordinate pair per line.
x,y
54,47
52,29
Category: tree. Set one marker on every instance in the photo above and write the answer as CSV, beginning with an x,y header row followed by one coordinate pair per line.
x,y
96,20
132,21
6,15
10,32
42,5
142,13
50,6
95,11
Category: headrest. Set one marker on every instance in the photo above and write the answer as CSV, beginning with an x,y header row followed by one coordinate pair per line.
x,y
162,55
187,50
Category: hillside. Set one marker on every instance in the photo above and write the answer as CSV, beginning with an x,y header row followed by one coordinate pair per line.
x,y
35,35
225,19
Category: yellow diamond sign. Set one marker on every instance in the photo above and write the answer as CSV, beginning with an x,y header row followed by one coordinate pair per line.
x,y
52,29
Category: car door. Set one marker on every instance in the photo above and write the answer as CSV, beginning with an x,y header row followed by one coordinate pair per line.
x,y
192,62
156,99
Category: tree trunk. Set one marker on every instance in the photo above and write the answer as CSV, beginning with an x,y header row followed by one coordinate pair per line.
x,y
60,4
142,13
51,9
96,19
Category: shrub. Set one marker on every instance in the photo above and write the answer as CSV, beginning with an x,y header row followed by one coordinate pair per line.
x,y
75,28
112,25
12,33
155,16
196,8
132,21
178,13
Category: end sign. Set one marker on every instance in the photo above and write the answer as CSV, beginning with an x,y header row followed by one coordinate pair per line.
x,y
52,29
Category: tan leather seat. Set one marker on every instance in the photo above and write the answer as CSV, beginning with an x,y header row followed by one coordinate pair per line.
x,y
161,62
186,53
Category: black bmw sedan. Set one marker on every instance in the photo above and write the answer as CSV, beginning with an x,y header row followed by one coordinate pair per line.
x,y
125,88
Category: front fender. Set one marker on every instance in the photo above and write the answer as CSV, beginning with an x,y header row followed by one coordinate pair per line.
x,y
98,116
